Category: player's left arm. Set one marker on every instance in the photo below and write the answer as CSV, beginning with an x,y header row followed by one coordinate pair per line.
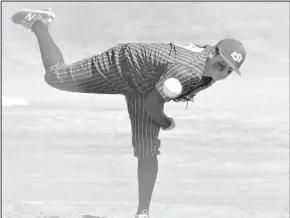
x,y
154,106
154,103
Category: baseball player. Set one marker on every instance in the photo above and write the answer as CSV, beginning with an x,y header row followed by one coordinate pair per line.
x,y
140,72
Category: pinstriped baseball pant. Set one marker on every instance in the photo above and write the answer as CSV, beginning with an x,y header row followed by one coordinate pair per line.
x,y
104,74
98,74
145,130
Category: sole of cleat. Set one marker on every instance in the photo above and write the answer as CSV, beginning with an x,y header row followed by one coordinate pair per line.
x,y
49,13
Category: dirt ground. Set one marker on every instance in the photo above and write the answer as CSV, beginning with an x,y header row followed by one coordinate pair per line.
x,y
69,163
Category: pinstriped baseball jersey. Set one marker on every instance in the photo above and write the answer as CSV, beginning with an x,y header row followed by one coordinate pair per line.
x,y
151,64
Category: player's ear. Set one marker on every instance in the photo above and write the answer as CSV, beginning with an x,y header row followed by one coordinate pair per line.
x,y
216,51
213,53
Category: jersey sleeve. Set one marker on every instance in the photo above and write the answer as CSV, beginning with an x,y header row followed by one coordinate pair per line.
x,y
186,76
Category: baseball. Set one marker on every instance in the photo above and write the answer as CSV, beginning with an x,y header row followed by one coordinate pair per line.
x,y
172,88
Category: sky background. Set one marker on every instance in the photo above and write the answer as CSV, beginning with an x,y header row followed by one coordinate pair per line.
x,y
84,29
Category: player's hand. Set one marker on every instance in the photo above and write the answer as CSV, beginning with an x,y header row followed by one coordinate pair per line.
x,y
172,125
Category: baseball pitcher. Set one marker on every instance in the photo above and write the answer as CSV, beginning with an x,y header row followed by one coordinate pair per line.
x,y
140,72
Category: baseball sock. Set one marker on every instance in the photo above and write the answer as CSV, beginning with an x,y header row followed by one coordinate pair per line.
x,y
147,174
50,53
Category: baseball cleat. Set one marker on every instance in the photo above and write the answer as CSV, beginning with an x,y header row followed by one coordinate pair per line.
x,y
144,214
28,17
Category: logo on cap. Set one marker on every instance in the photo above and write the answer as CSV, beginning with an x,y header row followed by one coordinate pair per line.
x,y
237,57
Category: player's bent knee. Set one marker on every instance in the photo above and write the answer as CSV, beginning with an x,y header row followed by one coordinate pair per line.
x,y
60,78
52,80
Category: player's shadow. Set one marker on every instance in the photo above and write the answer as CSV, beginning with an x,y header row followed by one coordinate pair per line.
x,y
90,216
84,216
48,217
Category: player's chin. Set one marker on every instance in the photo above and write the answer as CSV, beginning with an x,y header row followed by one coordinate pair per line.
x,y
218,78
215,78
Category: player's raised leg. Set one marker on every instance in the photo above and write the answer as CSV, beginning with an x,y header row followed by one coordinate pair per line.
x,y
96,74
38,21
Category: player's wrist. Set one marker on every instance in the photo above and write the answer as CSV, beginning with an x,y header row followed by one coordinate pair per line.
x,y
171,124
167,123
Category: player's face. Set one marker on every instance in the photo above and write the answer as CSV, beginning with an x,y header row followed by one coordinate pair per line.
x,y
219,68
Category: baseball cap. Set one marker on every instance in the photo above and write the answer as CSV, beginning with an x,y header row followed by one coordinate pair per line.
x,y
233,53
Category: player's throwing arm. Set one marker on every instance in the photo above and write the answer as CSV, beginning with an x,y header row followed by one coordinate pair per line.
x,y
172,88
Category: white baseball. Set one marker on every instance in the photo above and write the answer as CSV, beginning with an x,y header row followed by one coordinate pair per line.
x,y
172,88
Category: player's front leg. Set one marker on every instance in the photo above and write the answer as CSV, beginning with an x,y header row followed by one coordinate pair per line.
x,y
147,174
146,145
